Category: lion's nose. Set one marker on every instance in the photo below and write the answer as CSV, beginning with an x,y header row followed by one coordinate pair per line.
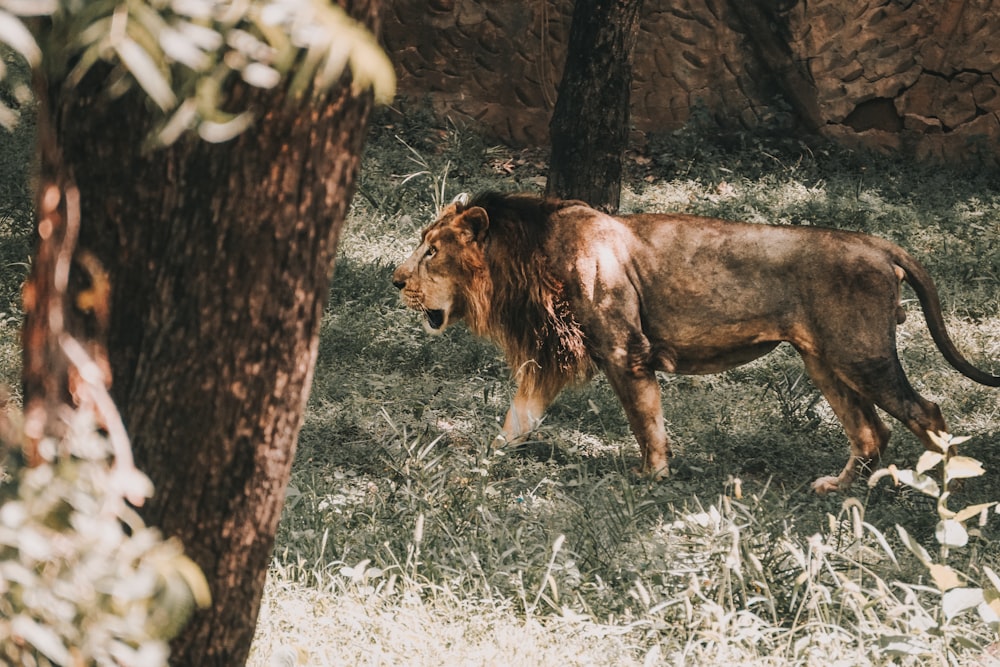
x,y
398,280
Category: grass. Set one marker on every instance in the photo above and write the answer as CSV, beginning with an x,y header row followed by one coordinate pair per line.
x,y
16,220
405,540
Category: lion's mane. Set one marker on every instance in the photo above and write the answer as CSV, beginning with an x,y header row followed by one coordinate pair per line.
x,y
516,301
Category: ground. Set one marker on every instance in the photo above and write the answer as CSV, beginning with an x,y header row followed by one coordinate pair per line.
x,y
406,540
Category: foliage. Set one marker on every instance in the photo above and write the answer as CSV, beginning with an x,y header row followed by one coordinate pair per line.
x,y
956,589
183,54
82,580
735,580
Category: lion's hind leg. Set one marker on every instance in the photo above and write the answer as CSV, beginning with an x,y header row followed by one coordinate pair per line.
x,y
888,386
867,433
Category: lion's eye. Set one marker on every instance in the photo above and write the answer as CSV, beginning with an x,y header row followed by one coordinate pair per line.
x,y
431,251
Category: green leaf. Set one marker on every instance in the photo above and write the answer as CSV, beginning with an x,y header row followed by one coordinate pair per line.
x,y
261,76
951,533
961,467
880,538
16,35
880,473
921,483
945,441
31,7
219,132
992,576
146,73
940,440
179,47
171,49
150,654
203,37
372,68
901,645
42,637
945,578
942,506
928,460
192,575
957,600
184,117
989,611
34,544
86,60
971,511
914,546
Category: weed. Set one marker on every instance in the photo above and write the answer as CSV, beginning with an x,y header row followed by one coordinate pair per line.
x,y
797,398
956,590
439,181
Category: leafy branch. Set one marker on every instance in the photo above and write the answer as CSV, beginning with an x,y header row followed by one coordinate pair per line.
x,y
959,591
182,54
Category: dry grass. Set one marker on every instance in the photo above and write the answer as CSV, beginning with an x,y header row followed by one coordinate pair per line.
x,y
360,626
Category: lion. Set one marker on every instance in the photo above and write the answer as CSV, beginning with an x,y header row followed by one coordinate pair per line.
x,y
565,290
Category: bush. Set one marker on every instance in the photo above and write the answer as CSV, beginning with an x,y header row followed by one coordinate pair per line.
x,y
82,580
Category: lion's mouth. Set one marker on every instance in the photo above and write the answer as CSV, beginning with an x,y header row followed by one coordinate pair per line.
x,y
435,319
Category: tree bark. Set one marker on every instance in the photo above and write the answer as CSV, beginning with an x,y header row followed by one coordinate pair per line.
x,y
590,122
772,47
219,257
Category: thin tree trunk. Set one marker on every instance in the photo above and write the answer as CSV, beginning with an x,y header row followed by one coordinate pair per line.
x,y
219,257
590,122
772,47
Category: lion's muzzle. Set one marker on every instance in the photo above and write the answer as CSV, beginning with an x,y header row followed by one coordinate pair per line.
x,y
434,318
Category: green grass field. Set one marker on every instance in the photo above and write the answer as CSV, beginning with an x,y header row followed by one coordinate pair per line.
x,y
407,541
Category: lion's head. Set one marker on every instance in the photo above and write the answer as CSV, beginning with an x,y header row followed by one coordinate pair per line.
x,y
446,277
482,261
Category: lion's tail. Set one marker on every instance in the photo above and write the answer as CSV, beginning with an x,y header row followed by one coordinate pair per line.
x,y
918,278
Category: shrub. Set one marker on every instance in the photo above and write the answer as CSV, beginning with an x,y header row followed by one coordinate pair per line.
x,y
82,580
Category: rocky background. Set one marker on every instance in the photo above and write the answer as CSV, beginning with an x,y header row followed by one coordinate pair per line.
x,y
917,77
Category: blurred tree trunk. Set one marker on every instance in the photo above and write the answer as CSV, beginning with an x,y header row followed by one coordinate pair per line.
x,y
590,122
219,258
770,40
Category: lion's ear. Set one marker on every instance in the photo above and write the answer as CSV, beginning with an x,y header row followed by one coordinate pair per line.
x,y
461,201
473,222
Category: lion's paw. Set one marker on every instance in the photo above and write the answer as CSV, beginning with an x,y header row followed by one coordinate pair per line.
x,y
825,485
655,475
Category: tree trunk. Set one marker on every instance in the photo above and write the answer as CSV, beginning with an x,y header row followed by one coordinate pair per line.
x,y
590,122
219,257
771,44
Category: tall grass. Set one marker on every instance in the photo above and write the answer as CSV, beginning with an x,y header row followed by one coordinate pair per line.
x,y
407,540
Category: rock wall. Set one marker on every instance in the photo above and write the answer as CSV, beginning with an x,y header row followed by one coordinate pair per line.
x,y
921,76
898,75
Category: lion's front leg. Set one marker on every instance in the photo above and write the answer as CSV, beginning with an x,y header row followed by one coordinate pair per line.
x,y
639,393
525,413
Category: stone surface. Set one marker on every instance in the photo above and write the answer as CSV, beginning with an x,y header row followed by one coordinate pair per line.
x,y
894,75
